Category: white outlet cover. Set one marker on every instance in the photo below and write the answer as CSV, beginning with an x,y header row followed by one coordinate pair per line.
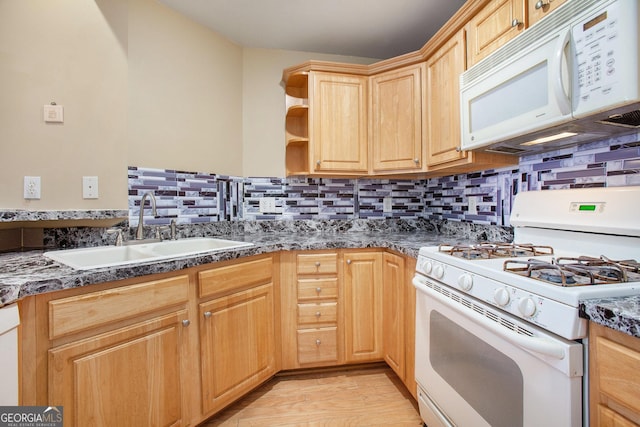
x,y
32,187
89,187
267,205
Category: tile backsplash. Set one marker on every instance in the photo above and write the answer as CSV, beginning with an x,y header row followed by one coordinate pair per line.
x,y
193,198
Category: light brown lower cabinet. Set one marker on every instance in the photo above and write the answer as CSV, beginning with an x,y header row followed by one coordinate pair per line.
x,y
117,356
363,300
173,349
614,378
237,344
126,377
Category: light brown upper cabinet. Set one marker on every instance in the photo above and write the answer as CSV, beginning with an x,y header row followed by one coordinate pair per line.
x,y
442,125
338,123
443,102
397,136
538,9
493,26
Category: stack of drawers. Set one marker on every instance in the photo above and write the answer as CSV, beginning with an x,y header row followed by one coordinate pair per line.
x,y
317,306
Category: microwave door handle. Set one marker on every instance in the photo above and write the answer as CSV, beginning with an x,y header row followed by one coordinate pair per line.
x,y
560,90
538,345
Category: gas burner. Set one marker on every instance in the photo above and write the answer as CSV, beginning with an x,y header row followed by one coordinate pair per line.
x,y
488,250
579,271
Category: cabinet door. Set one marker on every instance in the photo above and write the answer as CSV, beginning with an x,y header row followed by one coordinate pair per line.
x,y
363,306
492,27
443,102
396,119
393,320
131,376
338,123
237,340
538,9
614,378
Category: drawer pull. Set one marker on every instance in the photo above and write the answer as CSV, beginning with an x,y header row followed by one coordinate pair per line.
x,y
318,342
207,314
318,314
186,322
349,261
318,290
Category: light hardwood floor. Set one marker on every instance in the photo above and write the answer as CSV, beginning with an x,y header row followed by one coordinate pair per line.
x,y
363,397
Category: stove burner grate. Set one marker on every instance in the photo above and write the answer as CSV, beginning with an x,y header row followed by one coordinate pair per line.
x,y
487,250
578,271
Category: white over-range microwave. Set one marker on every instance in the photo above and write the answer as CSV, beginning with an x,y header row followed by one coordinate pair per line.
x,y
572,77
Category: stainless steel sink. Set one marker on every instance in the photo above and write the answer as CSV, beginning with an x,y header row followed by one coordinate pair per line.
x,y
111,256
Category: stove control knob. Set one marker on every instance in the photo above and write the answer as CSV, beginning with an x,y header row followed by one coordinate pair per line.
x,y
501,296
527,307
438,271
465,281
426,266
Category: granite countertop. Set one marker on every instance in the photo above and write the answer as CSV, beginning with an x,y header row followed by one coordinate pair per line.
x,y
619,313
30,273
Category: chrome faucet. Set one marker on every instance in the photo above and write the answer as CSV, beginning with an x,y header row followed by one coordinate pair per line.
x,y
152,200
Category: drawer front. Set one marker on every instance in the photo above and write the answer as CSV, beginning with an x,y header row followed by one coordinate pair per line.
x,y
236,276
82,312
318,313
317,263
317,289
317,345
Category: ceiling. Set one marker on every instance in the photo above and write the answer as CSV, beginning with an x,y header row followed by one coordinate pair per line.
x,y
377,29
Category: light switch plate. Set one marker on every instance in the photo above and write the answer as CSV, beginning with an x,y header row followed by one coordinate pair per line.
x,y
473,206
89,187
387,204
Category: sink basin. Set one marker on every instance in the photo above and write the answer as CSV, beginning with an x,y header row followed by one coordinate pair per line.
x,y
193,246
111,256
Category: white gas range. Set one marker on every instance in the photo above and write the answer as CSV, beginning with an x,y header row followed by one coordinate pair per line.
x,y
521,301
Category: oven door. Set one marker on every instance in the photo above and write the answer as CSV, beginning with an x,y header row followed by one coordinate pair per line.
x,y
477,366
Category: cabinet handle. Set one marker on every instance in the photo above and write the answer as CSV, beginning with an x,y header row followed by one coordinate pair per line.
x,y
186,322
416,161
318,342
317,263
318,290
515,22
207,314
458,149
318,314
540,4
349,261
317,162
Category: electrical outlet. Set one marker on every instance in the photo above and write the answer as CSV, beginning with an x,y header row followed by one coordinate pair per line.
x,y
31,187
387,204
89,187
268,205
473,206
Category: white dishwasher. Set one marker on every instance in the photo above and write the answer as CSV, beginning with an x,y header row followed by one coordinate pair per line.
x,y
9,321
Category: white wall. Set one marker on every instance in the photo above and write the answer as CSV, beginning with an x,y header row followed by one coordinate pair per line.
x,y
185,93
141,85
73,53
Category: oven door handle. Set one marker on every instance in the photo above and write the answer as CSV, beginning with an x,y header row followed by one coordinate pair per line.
x,y
537,345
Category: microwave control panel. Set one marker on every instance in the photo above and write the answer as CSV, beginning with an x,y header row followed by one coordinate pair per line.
x,y
600,41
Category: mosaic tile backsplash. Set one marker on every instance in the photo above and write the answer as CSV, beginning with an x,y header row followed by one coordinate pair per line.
x,y
197,198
